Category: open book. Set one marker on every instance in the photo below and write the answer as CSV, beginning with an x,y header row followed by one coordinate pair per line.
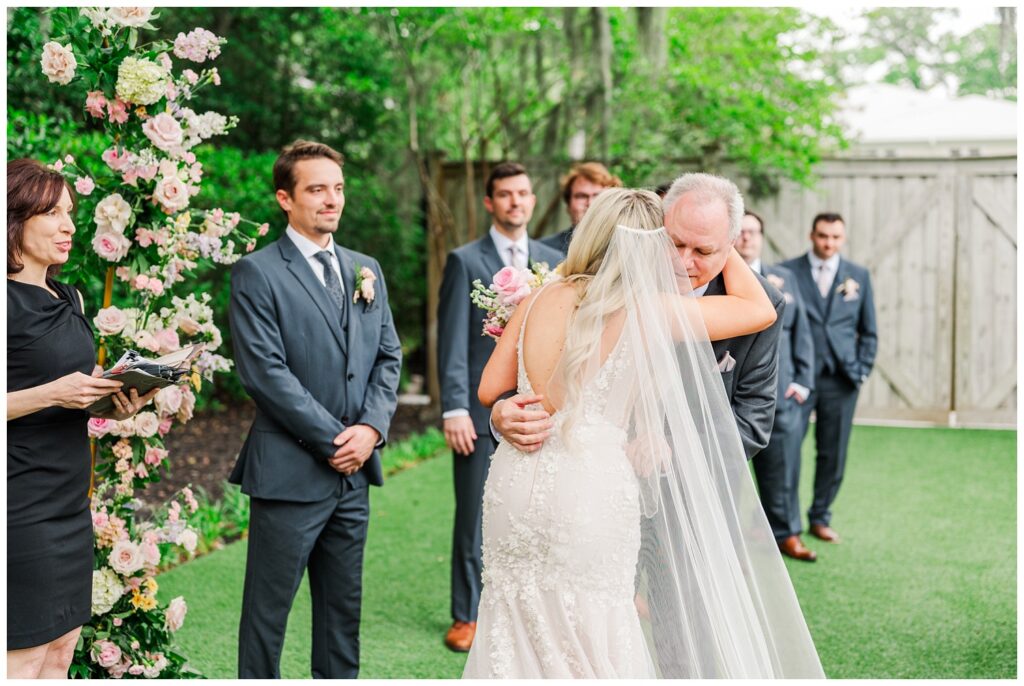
x,y
135,371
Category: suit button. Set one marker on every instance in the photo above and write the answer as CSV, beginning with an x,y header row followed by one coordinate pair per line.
x,y
351,376
344,420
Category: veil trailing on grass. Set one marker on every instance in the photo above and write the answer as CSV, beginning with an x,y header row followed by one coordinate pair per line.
x,y
713,595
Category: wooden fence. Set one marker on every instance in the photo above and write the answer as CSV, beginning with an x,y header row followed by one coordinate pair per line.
x,y
938,236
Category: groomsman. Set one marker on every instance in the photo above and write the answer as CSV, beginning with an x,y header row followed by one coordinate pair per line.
x,y
580,186
463,352
777,467
841,311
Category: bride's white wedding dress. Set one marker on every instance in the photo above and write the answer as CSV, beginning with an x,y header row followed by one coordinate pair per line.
x,y
633,543
561,535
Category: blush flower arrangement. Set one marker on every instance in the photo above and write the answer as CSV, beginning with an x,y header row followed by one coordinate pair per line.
x,y
509,287
141,233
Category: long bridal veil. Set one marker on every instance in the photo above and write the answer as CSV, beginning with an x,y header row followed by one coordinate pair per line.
x,y
712,592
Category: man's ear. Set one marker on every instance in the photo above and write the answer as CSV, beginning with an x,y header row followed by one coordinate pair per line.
x,y
284,200
488,204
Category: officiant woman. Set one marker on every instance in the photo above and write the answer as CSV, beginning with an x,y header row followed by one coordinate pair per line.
x,y
50,380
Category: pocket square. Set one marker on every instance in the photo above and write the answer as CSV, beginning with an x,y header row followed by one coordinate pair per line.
x,y
727,362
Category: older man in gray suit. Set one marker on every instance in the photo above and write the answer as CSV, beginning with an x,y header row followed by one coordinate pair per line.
x,y
777,467
463,352
841,311
317,350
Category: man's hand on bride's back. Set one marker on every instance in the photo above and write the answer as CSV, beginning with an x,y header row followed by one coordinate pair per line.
x,y
526,430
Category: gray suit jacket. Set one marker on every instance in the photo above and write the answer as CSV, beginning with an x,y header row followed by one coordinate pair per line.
x,y
796,345
843,324
462,348
559,241
310,373
751,384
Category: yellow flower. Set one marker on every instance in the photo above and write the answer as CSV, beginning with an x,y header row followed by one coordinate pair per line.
x,y
143,602
150,585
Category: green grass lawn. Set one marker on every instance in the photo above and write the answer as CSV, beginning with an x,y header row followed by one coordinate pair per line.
x,y
922,586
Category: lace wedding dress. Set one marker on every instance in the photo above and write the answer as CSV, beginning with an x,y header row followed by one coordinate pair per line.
x,y
561,536
633,543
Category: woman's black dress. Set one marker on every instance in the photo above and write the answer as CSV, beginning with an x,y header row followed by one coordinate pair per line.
x,y
49,527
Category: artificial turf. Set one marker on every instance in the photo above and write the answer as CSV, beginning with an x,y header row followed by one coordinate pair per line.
x,y
923,584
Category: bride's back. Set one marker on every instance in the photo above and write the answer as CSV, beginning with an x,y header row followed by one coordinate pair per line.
x,y
546,326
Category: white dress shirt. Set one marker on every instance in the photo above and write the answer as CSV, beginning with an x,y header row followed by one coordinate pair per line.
x,y
308,249
503,243
831,267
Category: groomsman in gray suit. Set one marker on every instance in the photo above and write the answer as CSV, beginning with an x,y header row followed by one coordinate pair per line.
x,y
463,352
317,350
580,186
841,311
777,467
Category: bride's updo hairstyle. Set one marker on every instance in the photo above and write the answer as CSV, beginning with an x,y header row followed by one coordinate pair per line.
x,y
589,253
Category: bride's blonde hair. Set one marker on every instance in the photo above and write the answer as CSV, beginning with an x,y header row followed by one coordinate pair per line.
x,y
588,254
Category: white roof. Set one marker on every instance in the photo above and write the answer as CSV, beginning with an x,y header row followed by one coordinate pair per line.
x,y
884,113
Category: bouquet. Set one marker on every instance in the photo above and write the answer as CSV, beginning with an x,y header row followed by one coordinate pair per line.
x,y
509,287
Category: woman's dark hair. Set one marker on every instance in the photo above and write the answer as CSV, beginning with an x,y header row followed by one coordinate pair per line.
x,y
32,189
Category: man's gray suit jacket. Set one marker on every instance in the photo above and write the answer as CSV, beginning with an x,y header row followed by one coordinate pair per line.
x,y
463,350
843,323
311,373
751,384
796,344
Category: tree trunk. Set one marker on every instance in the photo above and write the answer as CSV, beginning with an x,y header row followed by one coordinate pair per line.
x,y
651,31
603,33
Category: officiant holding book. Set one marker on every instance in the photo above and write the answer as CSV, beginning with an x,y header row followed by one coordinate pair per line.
x,y
52,378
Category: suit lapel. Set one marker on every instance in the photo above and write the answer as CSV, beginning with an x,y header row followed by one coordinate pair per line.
x,y
301,270
490,257
815,303
348,275
833,294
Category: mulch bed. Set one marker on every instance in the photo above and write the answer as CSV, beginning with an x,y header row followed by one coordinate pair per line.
x,y
203,451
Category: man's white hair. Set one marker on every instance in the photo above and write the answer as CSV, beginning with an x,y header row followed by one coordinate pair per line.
x,y
708,188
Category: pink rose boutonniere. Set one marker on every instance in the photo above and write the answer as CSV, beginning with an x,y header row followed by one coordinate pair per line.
x,y
364,285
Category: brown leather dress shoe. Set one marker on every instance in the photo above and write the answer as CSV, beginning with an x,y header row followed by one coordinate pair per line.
x,y
793,547
460,636
825,533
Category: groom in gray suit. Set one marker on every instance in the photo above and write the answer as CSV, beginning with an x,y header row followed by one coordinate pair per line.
x,y
841,312
463,352
317,350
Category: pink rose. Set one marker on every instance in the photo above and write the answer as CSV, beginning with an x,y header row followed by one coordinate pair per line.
x,y
126,557
140,282
120,669
167,339
118,621
188,326
141,471
58,63
98,427
130,16
263,229
172,193
116,161
156,287
111,246
147,173
511,285
58,165
188,404
117,109
123,273
100,520
144,339
136,670
123,429
164,132
175,615
366,285
165,426
106,653
84,185
146,424
151,553
168,401
154,456
69,159
95,102
494,330
110,321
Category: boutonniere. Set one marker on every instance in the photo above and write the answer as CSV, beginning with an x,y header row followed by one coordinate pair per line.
x,y
364,284
775,280
849,289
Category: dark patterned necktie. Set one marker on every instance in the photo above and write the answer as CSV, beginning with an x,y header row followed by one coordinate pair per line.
x,y
331,282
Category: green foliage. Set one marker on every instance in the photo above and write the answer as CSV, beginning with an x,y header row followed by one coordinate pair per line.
x,y
404,454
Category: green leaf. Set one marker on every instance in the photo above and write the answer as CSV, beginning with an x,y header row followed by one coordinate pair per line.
x,y
133,37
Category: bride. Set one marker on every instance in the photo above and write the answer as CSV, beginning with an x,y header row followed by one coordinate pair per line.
x,y
633,543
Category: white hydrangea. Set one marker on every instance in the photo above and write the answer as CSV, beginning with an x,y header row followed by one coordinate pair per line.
x,y
141,82
106,590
